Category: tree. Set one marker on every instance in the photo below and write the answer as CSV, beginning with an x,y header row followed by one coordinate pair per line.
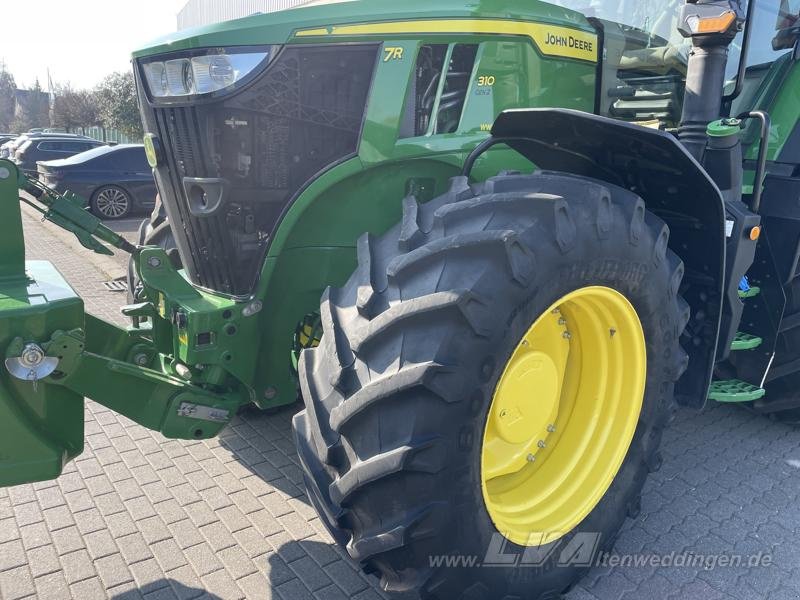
x,y
117,105
74,108
8,90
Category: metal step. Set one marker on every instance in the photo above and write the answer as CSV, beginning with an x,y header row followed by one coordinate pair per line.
x,y
753,291
734,390
745,341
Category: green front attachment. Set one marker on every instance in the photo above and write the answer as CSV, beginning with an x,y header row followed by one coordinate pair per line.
x,y
179,375
41,426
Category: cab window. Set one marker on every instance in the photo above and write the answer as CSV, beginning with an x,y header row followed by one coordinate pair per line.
x,y
436,97
775,29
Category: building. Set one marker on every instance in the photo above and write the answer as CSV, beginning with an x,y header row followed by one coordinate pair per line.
x,y
205,12
31,108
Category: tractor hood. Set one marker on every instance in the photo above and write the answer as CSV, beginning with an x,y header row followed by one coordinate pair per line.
x,y
241,116
280,27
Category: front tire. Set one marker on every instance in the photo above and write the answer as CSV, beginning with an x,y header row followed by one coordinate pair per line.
x,y
153,231
401,391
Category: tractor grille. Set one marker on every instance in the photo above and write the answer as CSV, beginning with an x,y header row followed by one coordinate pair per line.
x,y
263,144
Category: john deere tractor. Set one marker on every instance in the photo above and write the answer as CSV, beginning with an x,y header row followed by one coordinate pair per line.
x,y
535,227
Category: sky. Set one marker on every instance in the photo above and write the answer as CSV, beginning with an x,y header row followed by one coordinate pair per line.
x,y
80,41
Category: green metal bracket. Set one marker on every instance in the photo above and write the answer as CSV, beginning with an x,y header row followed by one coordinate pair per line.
x,y
69,212
199,328
170,404
734,390
745,341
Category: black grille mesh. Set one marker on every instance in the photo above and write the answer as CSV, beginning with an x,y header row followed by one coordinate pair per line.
x,y
303,114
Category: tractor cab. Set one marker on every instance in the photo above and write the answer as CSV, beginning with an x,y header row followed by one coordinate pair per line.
x,y
645,58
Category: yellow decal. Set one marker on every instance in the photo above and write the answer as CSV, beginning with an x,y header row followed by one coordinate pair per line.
x,y
551,40
162,306
393,53
569,43
486,80
183,338
486,126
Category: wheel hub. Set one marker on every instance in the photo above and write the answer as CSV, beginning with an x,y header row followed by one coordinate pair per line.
x,y
563,415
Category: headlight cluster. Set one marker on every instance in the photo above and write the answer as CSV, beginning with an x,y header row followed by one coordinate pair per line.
x,y
203,74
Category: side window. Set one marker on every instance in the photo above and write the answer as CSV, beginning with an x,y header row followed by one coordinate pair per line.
x,y
436,98
456,85
132,160
47,146
422,93
772,38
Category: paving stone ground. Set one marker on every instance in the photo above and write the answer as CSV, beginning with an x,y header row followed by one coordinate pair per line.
x,y
139,516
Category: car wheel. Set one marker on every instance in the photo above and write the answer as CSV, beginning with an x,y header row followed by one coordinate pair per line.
x,y
111,202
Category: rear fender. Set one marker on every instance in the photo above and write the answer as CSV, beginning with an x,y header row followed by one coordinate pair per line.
x,y
673,185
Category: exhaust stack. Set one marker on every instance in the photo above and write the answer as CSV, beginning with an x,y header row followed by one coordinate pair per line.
x,y
712,25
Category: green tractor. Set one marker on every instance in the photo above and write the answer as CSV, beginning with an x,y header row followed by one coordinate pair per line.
x,y
535,228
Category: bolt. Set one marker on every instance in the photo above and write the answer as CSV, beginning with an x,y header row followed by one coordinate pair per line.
x,y
556,311
183,371
566,335
551,428
140,359
32,355
541,444
154,262
531,458
524,342
562,321
253,308
270,393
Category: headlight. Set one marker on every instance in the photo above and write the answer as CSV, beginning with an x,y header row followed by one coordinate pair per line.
x,y
200,74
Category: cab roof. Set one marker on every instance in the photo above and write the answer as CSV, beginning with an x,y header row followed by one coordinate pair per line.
x,y
279,27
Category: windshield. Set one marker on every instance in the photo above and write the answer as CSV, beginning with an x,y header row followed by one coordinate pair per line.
x,y
645,57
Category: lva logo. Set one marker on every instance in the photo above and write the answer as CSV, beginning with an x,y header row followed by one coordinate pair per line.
x,y
578,551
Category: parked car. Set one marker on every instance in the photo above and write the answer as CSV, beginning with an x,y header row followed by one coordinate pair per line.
x,y
9,148
116,180
7,137
50,148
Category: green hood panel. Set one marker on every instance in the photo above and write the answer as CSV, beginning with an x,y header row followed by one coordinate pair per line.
x,y
279,27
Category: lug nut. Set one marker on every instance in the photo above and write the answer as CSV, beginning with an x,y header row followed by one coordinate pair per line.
x,y
567,335
562,321
551,428
531,458
541,444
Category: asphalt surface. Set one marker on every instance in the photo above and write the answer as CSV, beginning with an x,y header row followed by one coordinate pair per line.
x,y
139,516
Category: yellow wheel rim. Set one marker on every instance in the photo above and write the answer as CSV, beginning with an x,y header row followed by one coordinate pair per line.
x,y
563,416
